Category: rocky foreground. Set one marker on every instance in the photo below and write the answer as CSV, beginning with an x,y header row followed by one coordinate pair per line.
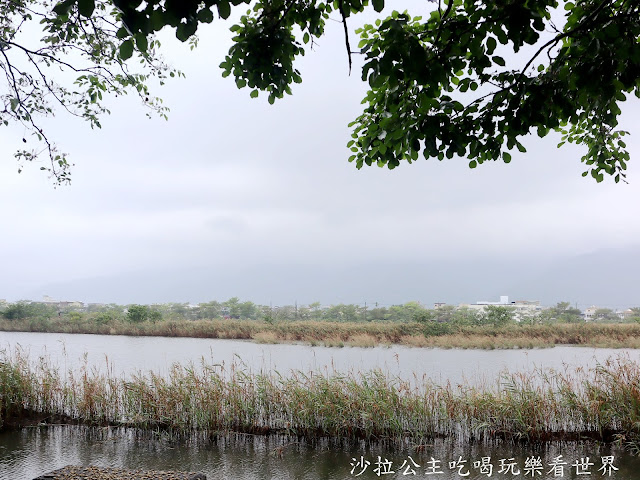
x,y
71,472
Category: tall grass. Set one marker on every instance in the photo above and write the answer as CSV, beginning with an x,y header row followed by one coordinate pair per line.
x,y
602,403
429,334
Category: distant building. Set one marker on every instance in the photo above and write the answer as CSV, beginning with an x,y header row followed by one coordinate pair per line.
x,y
504,300
521,308
589,313
438,305
526,308
66,304
625,314
47,300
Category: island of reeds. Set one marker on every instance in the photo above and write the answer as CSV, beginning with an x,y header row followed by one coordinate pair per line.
x,y
602,403
493,326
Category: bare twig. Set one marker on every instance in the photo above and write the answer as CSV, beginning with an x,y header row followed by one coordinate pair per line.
x,y
346,34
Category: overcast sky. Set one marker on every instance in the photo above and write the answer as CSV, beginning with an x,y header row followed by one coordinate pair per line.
x,y
263,196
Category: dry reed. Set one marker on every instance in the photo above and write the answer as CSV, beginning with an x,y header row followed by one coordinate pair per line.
x,y
362,333
602,403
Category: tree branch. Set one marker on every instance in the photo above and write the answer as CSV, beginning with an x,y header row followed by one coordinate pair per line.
x,y
346,33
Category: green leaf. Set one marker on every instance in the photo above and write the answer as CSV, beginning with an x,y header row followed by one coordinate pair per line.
x,y
157,19
86,7
254,93
499,61
491,45
126,49
142,42
63,8
473,164
205,15
378,5
224,9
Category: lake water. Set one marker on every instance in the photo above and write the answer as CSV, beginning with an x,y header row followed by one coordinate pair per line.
x,y
30,452
124,355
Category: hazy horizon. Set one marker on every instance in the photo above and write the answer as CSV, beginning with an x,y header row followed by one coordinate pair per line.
x,y
234,197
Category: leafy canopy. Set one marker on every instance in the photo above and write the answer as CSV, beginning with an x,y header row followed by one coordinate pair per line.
x,y
470,80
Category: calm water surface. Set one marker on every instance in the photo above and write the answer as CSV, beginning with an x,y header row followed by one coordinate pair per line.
x,y
126,355
30,452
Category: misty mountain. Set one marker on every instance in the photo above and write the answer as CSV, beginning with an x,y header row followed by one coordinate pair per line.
x,y
607,278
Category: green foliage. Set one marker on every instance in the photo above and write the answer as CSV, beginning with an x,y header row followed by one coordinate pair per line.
x,y
605,315
459,82
75,317
440,86
407,312
208,310
563,313
342,313
496,315
424,75
154,316
23,310
142,313
17,311
69,58
635,315
435,329
104,318
249,310
425,316
456,316
233,307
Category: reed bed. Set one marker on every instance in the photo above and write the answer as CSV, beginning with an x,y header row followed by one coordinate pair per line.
x,y
602,403
364,334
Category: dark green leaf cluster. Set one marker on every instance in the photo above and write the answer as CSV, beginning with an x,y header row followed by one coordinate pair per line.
x,y
421,73
265,46
184,16
469,80
458,83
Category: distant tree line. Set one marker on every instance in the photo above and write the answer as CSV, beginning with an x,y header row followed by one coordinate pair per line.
x,y
233,308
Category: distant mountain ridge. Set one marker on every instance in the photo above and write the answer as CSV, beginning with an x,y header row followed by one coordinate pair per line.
x,y
607,278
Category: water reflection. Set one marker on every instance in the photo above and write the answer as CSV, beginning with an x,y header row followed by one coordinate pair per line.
x,y
30,452
123,355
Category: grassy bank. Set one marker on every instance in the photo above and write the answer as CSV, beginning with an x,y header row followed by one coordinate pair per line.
x,y
360,334
603,403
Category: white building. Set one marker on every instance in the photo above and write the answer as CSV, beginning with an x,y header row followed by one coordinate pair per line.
x,y
589,313
521,308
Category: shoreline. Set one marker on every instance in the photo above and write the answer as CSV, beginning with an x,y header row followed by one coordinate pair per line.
x,y
360,334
